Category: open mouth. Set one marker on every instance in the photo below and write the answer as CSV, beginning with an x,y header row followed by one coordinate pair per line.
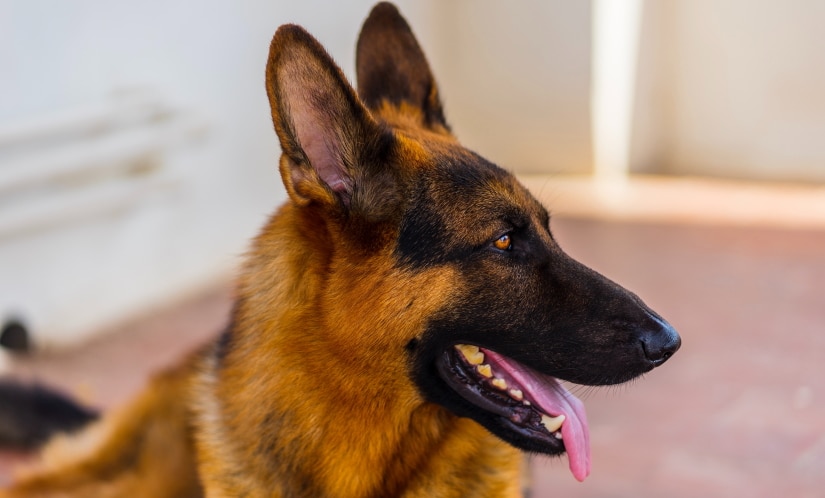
x,y
534,406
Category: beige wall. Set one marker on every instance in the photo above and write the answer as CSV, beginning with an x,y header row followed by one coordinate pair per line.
x,y
726,88
515,77
732,88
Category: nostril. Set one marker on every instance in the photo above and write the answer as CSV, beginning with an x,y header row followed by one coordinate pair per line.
x,y
658,346
661,359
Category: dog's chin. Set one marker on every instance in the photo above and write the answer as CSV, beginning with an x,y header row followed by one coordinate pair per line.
x,y
527,409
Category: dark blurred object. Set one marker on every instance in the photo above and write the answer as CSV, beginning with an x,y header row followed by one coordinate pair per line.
x,y
15,336
31,414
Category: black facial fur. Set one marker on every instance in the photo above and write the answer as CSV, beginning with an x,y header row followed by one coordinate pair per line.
x,y
523,298
425,238
532,303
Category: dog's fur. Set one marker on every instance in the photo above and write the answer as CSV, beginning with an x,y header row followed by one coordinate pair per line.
x,y
337,376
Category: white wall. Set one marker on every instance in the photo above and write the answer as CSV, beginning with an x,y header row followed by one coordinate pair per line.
x,y
137,155
726,88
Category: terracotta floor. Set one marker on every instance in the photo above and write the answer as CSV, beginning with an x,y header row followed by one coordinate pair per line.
x,y
739,411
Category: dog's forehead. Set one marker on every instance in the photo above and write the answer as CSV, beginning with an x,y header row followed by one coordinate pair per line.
x,y
470,187
460,201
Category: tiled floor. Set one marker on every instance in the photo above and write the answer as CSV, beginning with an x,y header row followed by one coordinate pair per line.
x,y
739,411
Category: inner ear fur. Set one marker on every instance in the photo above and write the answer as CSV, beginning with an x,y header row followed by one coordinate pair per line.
x,y
322,125
391,67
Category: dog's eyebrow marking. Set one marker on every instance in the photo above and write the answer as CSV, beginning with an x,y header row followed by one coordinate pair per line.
x,y
518,220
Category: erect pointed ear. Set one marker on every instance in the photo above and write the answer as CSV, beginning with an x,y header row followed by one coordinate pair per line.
x,y
321,123
391,66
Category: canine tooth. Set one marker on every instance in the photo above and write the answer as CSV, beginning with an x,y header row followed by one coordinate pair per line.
x,y
499,383
557,435
485,370
471,354
552,424
516,394
526,402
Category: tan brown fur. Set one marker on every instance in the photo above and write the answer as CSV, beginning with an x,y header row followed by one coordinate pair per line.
x,y
142,450
321,386
316,359
337,375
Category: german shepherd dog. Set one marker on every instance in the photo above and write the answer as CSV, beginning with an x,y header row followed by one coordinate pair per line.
x,y
401,323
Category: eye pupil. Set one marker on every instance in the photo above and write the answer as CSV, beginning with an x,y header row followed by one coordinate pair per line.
x,y
504,243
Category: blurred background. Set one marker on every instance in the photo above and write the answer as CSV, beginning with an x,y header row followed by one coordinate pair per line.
x,y
680,145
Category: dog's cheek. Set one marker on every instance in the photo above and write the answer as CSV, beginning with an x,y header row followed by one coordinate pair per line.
x,y
380,313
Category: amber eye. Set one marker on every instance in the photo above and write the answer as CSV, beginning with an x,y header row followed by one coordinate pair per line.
x,y
504,243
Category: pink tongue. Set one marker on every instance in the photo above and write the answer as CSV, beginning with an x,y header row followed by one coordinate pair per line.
x,y
554,400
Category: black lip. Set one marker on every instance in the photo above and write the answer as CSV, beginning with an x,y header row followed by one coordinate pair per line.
x,y
515,422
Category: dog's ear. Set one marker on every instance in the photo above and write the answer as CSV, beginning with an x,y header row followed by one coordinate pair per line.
x,y
391,67
321,123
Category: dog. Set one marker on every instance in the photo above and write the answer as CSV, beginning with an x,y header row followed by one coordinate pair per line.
x,y
401,326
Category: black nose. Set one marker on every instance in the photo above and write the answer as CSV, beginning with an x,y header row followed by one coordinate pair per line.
x,y
659,341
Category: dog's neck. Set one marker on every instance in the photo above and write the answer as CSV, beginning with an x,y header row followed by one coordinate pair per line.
x,y
350,430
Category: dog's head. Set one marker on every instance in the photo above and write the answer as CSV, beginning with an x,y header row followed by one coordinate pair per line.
x,y
494,312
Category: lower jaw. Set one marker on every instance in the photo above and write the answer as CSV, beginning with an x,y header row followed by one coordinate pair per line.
x,y
535,441
504,412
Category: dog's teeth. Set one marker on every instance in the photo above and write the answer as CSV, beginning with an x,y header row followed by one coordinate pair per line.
x,y
499,383
471,354
557,435
516,394
526,402
485,370
552,424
